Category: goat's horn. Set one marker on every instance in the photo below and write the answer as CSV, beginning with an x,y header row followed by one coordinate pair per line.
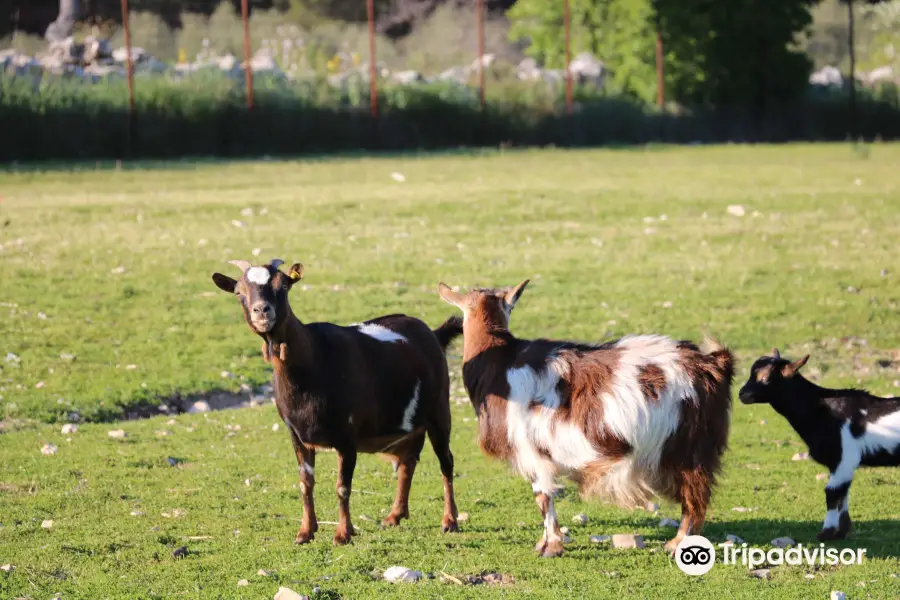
x,y
243,265
276,262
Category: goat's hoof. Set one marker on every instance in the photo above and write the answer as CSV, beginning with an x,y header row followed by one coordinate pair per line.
x,y
449,526
304,537
342,539
672,545
393,520
547,549
830,534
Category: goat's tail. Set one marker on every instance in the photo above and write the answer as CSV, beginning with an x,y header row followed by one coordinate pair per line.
x,y
449,331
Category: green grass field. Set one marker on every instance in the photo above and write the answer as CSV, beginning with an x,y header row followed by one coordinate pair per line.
x,y
107,307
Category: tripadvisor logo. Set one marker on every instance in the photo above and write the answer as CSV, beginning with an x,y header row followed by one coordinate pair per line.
x,y
695,555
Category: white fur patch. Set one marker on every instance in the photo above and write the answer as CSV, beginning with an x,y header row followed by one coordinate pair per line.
x,y
882,434
550,523
410,411
851,455
380,333
832,519
258,275
308,468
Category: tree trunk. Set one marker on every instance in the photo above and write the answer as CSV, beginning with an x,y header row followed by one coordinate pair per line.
x,y
64,24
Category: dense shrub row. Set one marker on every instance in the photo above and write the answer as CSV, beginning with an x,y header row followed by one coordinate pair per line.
x,y
207,116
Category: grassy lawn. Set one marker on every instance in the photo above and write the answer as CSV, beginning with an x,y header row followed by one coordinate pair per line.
x,y
107,308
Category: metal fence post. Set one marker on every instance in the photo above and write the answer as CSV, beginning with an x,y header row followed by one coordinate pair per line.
x,y
567,26
129,70
248,70
479,8
373,90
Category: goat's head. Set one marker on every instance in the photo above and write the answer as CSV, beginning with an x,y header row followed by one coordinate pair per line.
x,y
769,378
487,305
262,291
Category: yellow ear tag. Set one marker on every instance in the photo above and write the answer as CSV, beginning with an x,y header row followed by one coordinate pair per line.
x,y
295,275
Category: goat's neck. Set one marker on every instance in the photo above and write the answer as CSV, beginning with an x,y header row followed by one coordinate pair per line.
x,y
480,335
802,405
290,345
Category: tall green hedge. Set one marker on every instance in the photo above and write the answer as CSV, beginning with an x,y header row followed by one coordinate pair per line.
x,y
54,118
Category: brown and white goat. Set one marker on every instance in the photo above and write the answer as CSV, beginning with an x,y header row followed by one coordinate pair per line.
x,y
843,429
374,387
629,419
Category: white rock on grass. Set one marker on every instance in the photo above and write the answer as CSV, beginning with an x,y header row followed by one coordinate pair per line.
x,y
48,449
243,583
264,573
667,522
836,595
599,539
626,540
737,210
734,539
463,516
275,427
397,574
117,434
200,406
580,519
760,573
782,542
800,456
284,593
47,524
398,177
68,428
7,568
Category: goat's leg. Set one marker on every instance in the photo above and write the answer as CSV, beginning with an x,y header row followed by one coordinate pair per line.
x,y
406,468
551,542
837,501
346,463
306,461
440,442
693,492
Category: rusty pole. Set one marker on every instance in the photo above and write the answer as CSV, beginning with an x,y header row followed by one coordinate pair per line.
x,y
129,69
567,26
479,8
248,70
373,90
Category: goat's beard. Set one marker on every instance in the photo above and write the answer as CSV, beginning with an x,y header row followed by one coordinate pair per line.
x,y
262,326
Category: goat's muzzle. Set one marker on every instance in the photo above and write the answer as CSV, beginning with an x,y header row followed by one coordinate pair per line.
x,y
262,317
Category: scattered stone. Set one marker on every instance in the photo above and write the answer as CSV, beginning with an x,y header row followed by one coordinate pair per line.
x,y
137,513
580,519
130,367
463,516
117,434
47,524
836,595
200,406
667,522
7,568
39,384
238,224
256,251
733,539
68,428
284,593
800,456
48,449
398,177
782,542
247,212
13,358
598,539
264,573
180,552
810,576
275,427
118,270
763,422
760,573
396,574
625,540
67,357
737,210
489,579
243,583
227,375
742,509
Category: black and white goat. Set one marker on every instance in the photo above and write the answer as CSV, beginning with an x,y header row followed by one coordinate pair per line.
x,y
375,387
843,429
629,419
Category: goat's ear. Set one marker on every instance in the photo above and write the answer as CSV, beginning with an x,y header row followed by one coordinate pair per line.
x,y
224,282
455,298
776,353
296,272
795,366
513,295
